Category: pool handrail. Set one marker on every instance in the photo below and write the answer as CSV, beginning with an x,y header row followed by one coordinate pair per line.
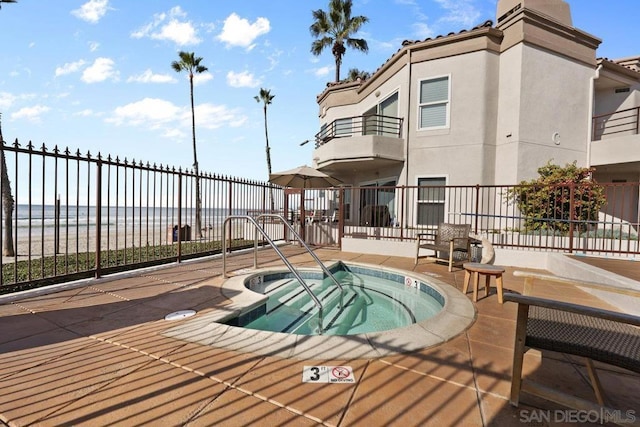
x,y
313,255
291,268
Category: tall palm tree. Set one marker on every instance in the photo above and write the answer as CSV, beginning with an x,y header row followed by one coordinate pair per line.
x,y
266,98
334,28
191,64
7,204
5,191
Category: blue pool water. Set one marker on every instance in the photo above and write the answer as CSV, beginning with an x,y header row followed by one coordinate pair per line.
x,y
373,300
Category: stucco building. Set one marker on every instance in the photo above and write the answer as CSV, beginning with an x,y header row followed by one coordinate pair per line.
x,y
487,106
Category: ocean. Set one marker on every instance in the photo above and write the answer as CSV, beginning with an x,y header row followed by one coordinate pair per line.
x,y
44,217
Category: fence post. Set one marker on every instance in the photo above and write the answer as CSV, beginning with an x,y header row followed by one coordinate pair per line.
x,y
57,226
400,222
230,202
572,194
179,258
340,217
98,216
477,209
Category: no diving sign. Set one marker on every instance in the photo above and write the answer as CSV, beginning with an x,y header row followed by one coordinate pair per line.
x,y
327,374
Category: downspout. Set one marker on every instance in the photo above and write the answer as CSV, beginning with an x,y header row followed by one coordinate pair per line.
x,y
592,97
408,126
406,155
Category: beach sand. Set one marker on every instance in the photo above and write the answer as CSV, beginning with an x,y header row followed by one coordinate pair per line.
x,y
82,239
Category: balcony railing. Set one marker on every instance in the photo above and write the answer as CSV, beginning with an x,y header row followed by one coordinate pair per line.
x,y
360,125
618,122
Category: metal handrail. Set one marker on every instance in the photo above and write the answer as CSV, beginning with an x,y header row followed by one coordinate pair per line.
x,y
302,242
369,124
306,287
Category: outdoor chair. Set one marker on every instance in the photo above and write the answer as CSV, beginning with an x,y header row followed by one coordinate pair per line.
x,y
594,334
450,242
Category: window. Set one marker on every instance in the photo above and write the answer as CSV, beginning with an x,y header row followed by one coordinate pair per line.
x,y
388,125
377,203
343,127
431,201
347,203
434,103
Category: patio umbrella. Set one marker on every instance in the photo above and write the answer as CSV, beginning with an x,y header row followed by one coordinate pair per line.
x,y
303,177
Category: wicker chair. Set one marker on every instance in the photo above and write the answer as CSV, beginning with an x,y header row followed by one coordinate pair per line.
x,y
451,243
595,334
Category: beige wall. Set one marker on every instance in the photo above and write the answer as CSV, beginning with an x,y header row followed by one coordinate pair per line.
x,y
514,106
544,112
465,150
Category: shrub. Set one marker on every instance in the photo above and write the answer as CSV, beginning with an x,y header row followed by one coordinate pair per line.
x,y
559,197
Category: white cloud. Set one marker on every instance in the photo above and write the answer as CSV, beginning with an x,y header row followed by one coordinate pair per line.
x,y
239,32
92,11
149,77
101,70
322,71
32,114
243,79
209,116
87,112
459,12
422,31
199,78
202,78
170,26
93,46
69,67
152,112
6,100
173,121
274,59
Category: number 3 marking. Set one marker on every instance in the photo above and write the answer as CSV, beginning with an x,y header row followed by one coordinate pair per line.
x,y
316,373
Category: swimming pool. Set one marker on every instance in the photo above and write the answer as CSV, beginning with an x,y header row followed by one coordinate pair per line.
x,y
373,300
209,327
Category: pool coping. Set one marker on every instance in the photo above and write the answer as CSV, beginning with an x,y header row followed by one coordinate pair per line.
x,y
456,316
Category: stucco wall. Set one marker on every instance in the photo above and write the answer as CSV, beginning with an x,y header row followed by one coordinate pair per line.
x,y
465,150
543,113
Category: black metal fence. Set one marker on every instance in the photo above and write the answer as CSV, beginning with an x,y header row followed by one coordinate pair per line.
x,y
81,215
372,124
599,220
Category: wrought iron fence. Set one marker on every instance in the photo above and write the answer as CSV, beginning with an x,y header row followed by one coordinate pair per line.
x,y
82,215
79,215
567,218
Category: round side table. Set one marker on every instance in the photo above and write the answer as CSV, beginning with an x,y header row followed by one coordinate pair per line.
x,y
476,269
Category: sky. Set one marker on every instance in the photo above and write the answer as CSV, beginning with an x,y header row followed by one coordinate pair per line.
x,y
96,76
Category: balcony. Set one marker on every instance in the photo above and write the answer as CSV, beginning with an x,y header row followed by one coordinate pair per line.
x,y
616,138
369,142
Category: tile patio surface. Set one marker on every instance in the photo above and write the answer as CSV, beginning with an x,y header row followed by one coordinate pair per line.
x,y
96,356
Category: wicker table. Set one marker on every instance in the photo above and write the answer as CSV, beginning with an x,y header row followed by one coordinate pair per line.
x,y
476,269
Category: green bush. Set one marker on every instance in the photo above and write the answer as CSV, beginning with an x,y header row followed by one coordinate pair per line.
x,y
559,197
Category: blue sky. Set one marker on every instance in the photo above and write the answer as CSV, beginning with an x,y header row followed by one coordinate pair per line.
x,y
96,75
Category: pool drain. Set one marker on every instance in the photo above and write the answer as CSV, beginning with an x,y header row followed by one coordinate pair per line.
x,y
181,314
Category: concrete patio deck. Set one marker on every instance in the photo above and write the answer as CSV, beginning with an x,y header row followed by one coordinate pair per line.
x,y
95,355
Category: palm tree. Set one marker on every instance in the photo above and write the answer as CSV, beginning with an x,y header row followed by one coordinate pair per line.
x,y
266,98
7,204
335,29
191,64
355,74
5,191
